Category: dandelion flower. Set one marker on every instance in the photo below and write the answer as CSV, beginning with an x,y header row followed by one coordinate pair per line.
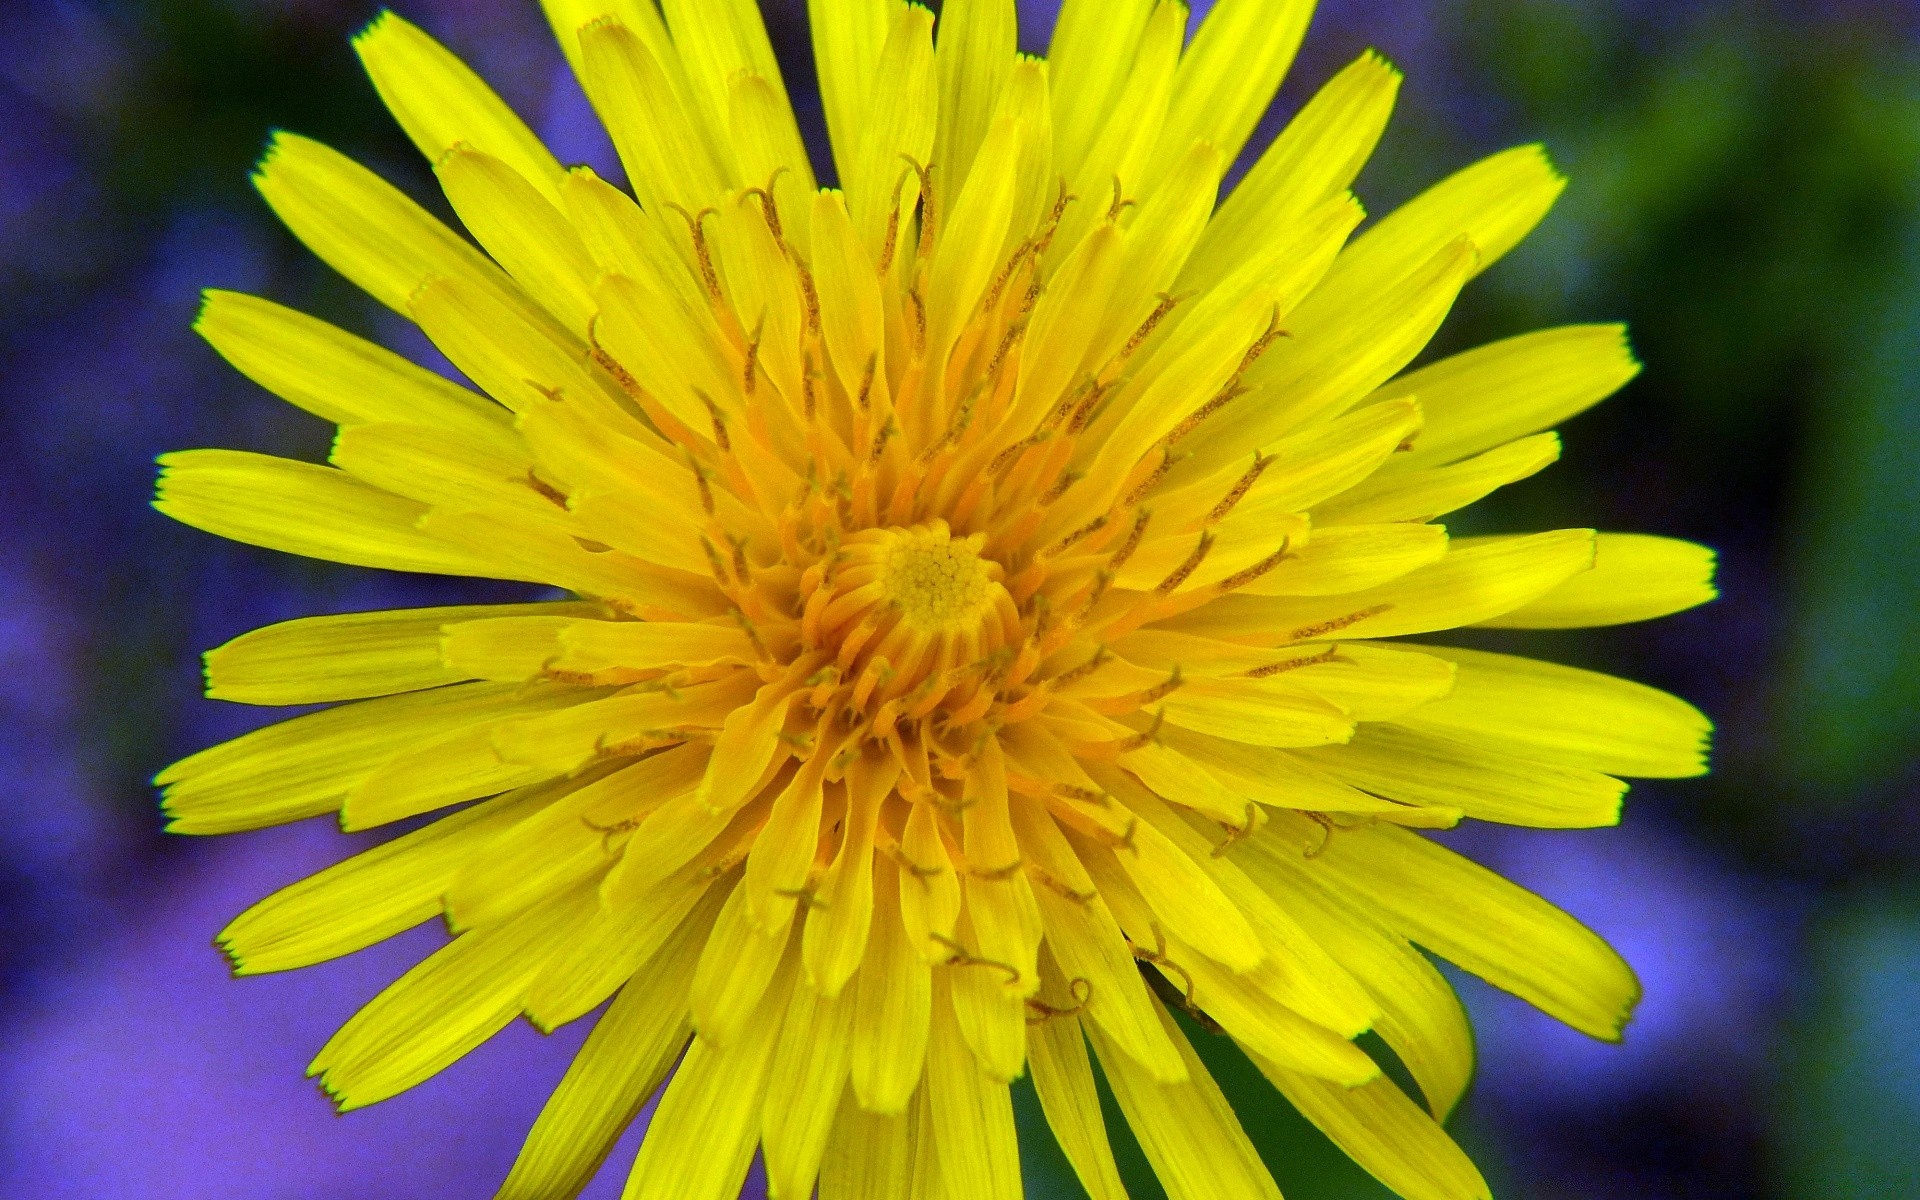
x,y
983,590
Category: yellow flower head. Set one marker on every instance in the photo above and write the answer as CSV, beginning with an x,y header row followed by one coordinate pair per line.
x,y
983,576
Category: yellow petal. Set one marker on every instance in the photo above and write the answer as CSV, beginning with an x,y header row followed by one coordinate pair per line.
x,y
369,897
748,742
667,153
549,851
880,1156
1083,936
441,469
892,1006
1543,710
521,226
1418,768
298,508
439,101
1295,972
335,375
767,147
518,361
1315,158
979,1154
1283,779
899,120
1463,912
718,40
1262,1025
1424,495
1061,331
1318,462
835,940
1479,579
1420,1017
564,740
1195,1143
930,890
569,17
991,1016
783,853
971,234
433,1015
548,552
678,832
1157,245
1386,1133
1352,558
803,1089
1063,1078
1258,712
973,54
703,1132
1182,895
851,315
461,765
613,944
362,226
1340,351
632,1047
1494,204
847,37
1093,47
1635,577
347,657
1124,134
304,767
1507,389
624,240
737,966
1228,76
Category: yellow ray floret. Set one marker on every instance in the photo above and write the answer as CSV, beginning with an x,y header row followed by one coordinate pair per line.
x,y
983,582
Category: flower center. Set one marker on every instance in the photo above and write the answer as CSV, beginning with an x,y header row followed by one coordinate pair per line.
x,y
912,615
936,581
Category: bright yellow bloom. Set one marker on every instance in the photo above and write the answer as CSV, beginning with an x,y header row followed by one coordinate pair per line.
x,y
986,577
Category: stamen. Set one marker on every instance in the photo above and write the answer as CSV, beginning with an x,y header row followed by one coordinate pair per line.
x,y
1160,691
893,225
1068,678
962,957
1178,576
1119,557
1059,487
1138,491
1308,633
750,370
714,562
553,494
1077,536
696,229
1239,490
1233,391
1330,654
1079,988
929,209
1166,305
1247,575
769,207
719,422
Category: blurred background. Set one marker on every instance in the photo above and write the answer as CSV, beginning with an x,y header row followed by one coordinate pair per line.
x,y
1746,192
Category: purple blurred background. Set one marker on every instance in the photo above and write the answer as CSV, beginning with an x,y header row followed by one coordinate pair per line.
x,y
1746,192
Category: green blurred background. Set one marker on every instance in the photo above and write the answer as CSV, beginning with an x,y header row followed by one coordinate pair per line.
x,y
1746,193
